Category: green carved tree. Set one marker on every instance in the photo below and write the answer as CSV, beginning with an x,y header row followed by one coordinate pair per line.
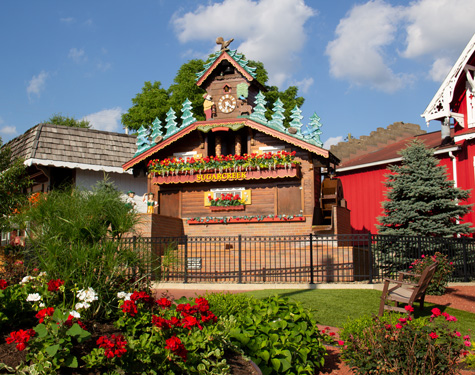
x,y
259,111
277,119
187,116
142,140
171,124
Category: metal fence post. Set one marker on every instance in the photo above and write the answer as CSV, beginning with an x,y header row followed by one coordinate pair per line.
x,y
239,259
185,278
311,260
370,255
465,260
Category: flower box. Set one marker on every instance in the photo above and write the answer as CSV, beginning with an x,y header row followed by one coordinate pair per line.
x,y
227,208
244,220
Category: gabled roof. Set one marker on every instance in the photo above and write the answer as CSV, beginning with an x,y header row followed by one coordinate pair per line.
x,y
439,107
68,147
390,153
205,125
235,58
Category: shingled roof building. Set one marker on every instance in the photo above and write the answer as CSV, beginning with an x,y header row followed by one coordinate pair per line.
x,y
58,154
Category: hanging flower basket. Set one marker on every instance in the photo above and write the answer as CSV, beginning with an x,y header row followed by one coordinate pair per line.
x,y
226,208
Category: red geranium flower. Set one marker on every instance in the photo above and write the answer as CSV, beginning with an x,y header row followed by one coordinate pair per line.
x,y
53,285
129,307
21,337
141,296
176,346
160,322
43,313
3,284
115,346
164,303
433,335
190,322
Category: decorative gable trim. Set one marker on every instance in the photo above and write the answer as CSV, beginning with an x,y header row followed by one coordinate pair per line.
x,y
439,107
224,56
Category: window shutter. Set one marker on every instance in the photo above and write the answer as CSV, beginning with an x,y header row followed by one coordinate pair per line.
x,y
246,196
207,201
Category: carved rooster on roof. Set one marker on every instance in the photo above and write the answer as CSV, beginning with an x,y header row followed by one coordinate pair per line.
x,y
224,44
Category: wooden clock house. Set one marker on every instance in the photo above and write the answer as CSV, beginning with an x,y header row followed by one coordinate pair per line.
x,y
236,172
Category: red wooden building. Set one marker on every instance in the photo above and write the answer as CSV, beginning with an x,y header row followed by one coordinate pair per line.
x,y
453,106
267,183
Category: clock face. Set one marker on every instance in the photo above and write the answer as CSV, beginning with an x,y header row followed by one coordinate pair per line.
x,y
227,103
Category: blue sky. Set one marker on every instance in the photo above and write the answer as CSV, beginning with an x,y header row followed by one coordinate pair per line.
x,y
359,64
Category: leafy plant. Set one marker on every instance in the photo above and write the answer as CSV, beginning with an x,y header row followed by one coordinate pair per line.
x,y
442,274
400,345
278,335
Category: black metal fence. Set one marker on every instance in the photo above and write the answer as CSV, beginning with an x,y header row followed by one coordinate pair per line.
x,y
295,259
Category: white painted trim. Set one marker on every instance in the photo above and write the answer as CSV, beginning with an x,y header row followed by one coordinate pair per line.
x,y
389,161
63,164
464,137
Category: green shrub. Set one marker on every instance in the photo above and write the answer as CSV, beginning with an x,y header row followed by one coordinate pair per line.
x,y
280,336
395,344
441,277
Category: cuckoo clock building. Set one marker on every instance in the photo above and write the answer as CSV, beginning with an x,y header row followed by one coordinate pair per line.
x,y
237,172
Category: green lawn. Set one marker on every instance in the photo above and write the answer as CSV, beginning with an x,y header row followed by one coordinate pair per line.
x,y
334,307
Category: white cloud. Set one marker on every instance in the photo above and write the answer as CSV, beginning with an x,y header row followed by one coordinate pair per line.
x,y
37,84
107,119
8,130
332,141
77,55
440,68
303,85
358,52
438,25
103,66
67,20
366,46
271,31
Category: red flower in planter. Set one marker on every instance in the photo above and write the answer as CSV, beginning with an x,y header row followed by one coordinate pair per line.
x,y
136,296
3,284
160,322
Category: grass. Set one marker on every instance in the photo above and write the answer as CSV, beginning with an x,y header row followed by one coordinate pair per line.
x,y
333,307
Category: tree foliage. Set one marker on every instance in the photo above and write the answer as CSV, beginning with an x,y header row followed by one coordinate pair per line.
x,y
58,119
13,182
422,201
155,101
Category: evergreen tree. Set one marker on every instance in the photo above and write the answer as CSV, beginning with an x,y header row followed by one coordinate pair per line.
x,y
421,199
277,121
142,140
187,116
259,112
171,123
